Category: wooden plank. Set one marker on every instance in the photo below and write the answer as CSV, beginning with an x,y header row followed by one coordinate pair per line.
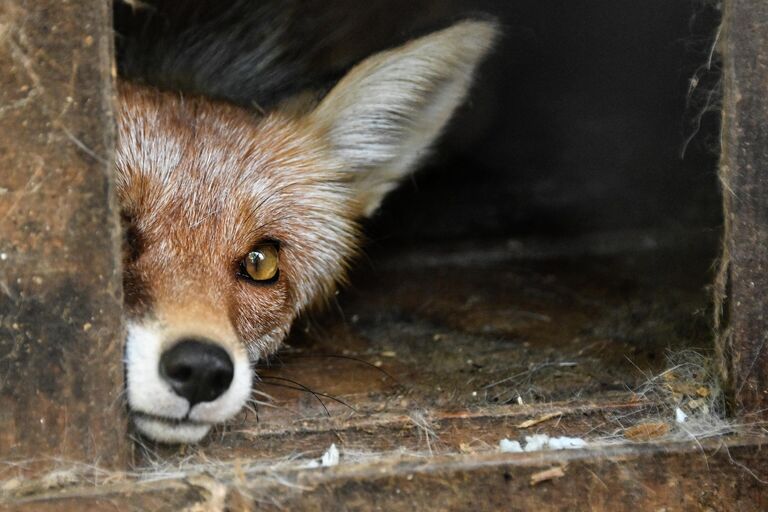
x,y
610,479
60,278
713,476
743,283
426,431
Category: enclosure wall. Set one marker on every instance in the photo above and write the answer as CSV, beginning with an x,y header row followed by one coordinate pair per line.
x,y
60,279
743,283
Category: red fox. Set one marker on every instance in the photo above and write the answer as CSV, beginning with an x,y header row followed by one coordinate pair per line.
x,y
237,220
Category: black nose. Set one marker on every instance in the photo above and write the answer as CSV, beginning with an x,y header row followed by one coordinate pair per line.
x,y
196,370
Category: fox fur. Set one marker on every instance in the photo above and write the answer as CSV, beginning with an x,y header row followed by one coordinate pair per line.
x,y
201,181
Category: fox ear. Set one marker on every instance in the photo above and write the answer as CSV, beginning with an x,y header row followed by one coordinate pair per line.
x,y
384,114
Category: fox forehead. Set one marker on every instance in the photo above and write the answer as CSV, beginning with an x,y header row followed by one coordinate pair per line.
x,y
202,182
197,157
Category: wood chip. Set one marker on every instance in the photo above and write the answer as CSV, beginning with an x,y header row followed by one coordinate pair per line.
x,y
646,431
10,485
465,448
547,474
540,419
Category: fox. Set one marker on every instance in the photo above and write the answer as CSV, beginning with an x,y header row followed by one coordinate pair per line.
x,y
238,220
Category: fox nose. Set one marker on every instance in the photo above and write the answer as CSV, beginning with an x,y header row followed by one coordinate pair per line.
x,y
197,370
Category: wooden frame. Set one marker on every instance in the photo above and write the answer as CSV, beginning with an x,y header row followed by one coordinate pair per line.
x,y
60,306
60,277
743,281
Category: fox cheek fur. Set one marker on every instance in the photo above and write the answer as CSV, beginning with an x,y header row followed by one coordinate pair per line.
x,y
201,183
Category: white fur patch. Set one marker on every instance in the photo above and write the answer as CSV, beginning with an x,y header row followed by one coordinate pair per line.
x,y
165,432
147,391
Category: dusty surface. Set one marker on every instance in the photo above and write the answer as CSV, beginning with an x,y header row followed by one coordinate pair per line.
x,y
711,476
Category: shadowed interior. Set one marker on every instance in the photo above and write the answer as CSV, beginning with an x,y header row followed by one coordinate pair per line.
x,y
557,247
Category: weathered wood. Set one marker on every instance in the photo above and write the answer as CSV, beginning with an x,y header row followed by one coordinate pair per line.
x,y
711,476
427,431
743,286
611,479
60,279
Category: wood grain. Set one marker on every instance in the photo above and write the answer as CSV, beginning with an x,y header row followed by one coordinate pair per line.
x,y
60,279
743,282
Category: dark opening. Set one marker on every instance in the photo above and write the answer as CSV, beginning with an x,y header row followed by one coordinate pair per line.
x,y
590,116
561,241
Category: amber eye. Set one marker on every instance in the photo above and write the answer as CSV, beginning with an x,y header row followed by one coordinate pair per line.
x,y
262,263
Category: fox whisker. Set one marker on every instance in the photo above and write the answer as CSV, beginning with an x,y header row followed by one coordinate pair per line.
x,y
317,397
265,404
301,387
263,394
340,356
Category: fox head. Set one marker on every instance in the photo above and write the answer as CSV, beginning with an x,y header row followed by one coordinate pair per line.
x,y
236,221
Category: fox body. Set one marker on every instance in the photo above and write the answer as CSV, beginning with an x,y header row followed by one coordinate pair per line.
x,y
237,220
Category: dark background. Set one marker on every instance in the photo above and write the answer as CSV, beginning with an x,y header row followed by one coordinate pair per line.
x,y
576,124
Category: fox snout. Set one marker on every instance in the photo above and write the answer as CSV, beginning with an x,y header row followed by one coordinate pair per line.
x,y
182,381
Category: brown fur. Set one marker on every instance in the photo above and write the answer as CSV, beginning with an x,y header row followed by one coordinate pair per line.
x,y
202,183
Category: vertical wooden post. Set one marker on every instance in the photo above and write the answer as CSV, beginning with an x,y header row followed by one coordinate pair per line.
x,y
743,283
60,283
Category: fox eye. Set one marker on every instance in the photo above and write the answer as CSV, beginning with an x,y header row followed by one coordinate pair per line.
x,y
261,264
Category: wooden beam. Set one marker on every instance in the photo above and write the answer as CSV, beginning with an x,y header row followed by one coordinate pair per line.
x,y
60,279
743,285
682,476
711,475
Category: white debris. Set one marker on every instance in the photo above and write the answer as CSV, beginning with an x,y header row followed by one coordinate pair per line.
x,y
539,442
680,416
330,457
508,446
536,442
566,443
